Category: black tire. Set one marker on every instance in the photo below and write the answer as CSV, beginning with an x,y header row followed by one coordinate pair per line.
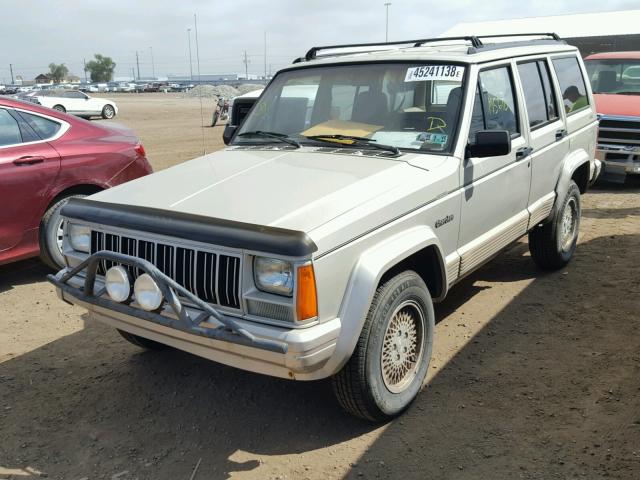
x,y
361,387
550,244
50,233
214,119
142,342
60,108
108,112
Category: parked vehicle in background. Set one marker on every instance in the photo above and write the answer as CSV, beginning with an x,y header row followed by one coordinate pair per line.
x,y
178,87
151,87
80,104
615,80
46,158
315,245
10,90
238,110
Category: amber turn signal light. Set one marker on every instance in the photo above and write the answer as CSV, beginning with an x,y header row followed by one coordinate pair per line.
x,y
306,298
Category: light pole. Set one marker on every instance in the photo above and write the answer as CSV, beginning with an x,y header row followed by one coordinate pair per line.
x,y
190,61
153,67
386,29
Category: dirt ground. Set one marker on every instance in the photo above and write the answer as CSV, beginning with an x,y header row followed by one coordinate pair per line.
x,y
534,375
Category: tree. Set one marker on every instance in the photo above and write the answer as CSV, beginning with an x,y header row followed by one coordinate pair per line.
x,y
101,68
58,72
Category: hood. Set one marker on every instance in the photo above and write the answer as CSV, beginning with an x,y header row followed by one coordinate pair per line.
x,y
298,190
612,104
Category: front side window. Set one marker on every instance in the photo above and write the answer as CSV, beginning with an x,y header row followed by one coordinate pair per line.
x,y
574,91
614,76
44,127
494,104
9,130
408,106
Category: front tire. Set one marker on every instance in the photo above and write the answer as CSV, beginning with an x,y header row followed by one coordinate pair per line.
x,y
108,112
51,233
552,244
60,108
390,361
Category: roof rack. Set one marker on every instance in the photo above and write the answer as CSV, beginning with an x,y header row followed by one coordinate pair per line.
x,y
474,40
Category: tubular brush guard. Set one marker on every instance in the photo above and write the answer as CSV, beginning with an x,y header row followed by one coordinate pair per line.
x,y
230,331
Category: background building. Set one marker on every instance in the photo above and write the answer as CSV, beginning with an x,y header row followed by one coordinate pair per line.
x,y
590,32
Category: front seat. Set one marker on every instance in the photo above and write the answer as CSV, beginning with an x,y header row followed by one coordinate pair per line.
x,y
370,107
452,108
607,81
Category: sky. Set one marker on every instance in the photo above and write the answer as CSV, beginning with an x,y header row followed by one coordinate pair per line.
x,y
35,33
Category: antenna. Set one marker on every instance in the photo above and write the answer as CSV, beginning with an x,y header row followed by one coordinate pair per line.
x,y
195,23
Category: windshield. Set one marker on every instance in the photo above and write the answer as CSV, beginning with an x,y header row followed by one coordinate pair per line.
x,y
614,76
406,106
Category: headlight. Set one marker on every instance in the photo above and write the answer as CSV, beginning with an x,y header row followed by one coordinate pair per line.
x,y
117,283
147,292
79,237
273,275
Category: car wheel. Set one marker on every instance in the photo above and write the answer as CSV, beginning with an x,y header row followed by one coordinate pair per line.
x,y
390,361
142,342
108,112
553,243
60,108
51,233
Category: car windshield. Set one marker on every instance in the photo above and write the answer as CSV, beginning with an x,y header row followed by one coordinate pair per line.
x,y
618,76
407,106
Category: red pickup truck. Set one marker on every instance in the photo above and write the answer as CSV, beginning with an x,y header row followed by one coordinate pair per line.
x,y
615,80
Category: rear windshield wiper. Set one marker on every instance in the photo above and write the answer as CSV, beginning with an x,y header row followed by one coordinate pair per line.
x,y
278,136
370,142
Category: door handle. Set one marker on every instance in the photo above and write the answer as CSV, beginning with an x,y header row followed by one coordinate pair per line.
x,y
523,153
28,160
560,134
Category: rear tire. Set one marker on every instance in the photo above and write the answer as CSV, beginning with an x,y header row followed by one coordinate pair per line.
x,y
390,361
552,244
60,108
108,112
51,228
142,342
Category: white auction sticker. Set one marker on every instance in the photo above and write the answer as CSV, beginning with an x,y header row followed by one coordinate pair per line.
x,y
452,73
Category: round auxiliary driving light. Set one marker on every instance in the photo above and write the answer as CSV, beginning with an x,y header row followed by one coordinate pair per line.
x,y
147,293
117,283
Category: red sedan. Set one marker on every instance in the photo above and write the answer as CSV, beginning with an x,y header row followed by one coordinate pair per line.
x,y
46,157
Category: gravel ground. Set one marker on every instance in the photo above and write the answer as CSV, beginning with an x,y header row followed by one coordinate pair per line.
x,y
534,375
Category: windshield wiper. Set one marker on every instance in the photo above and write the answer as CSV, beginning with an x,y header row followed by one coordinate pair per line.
x,y
361,140
278,136
628,92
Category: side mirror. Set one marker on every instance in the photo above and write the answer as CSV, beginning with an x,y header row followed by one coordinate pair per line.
x,y
229,131
490,143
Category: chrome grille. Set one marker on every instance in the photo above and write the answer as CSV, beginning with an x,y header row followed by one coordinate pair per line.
x,y
213,277
619,131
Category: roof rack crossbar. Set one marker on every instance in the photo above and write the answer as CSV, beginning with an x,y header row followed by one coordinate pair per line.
x,y
311,54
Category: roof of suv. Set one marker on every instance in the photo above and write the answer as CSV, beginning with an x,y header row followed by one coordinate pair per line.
x,y
446,51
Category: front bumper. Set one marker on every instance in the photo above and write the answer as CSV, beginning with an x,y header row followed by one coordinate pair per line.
x,y
619,161
198,327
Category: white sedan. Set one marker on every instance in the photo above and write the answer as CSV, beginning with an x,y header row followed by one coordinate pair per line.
x,y
78,103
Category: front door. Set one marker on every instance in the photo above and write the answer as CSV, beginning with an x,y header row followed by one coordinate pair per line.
x,y
495,189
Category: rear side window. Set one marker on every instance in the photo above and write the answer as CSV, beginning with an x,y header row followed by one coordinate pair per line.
x,y
494,106
9,130
538,96
574,91
44,127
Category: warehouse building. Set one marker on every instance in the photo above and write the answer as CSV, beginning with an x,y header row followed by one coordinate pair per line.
x,y
590,32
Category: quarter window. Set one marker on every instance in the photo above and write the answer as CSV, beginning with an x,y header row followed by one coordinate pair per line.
x,y
494,105
44,127
574,91
9,130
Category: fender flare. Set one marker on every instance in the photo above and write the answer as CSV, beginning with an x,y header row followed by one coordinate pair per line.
x,y
366,275
571,163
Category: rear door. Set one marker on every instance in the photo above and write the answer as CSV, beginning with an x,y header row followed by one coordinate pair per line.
x,y
581,121
496,189
28,168
547,134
